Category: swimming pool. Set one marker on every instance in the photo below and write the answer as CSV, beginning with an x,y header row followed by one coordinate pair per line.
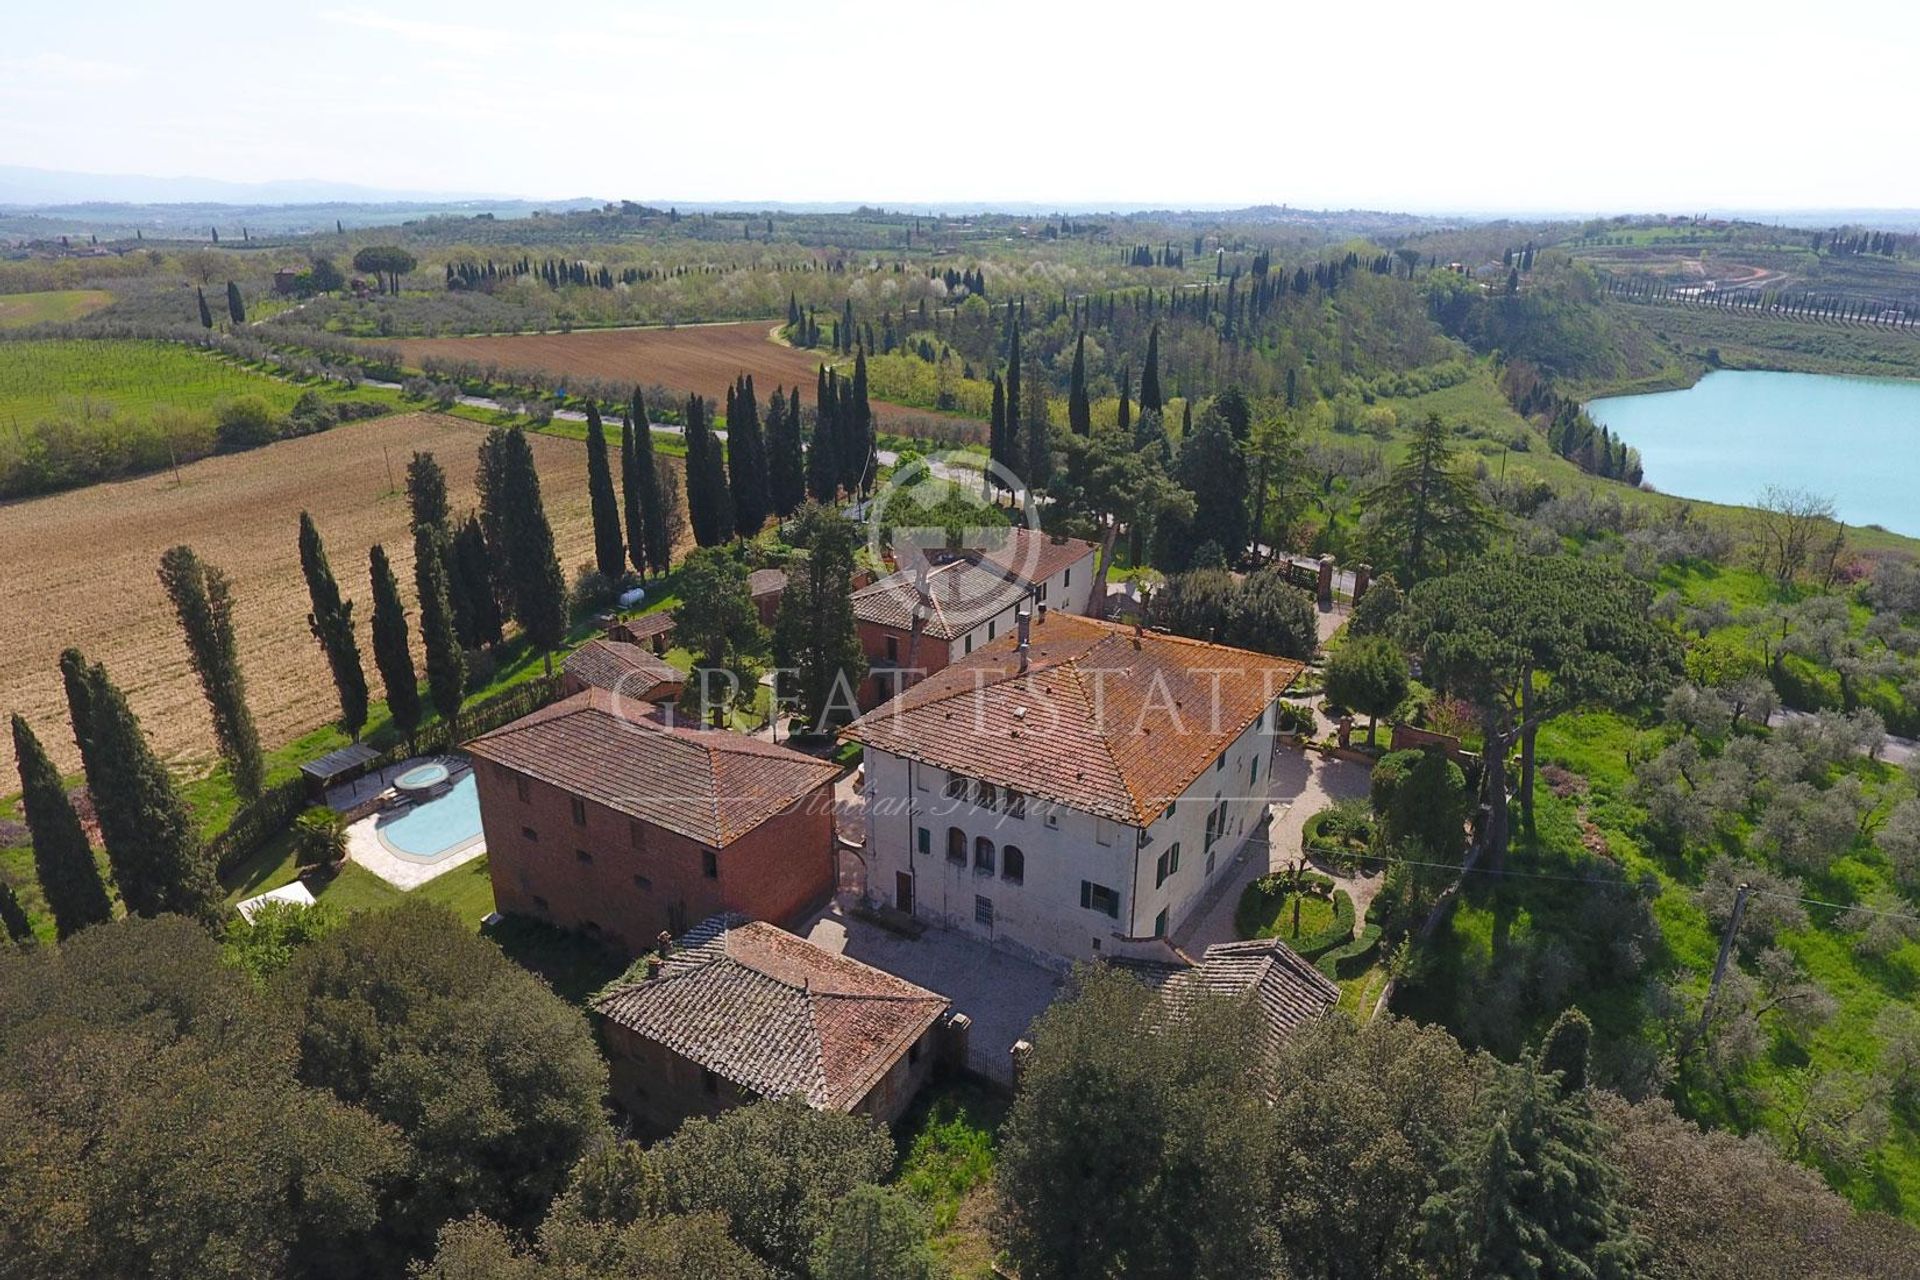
x,y
438,827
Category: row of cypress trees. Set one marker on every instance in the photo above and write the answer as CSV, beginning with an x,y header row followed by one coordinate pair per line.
x,y
768,469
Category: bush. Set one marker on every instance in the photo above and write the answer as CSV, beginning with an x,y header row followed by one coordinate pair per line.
x,y
1340,834
1266,910
592,590
1353,959
244,422
319,838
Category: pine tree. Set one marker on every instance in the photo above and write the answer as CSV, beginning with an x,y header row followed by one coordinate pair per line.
x,y
331,621
152,842
1429,511
517,531
1079,411
206,313
747,460
786,461
609,551
62,857
709,503
392,654
1536,1196
203,601
236,309
814,637
1150,400
473,567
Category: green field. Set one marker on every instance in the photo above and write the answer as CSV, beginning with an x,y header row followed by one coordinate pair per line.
x,y
128,380
18,310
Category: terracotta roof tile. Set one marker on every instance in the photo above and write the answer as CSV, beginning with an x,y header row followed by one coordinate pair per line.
x,y
960,595
1103,720
766,581
622,668
1287,992
705,784
775,1014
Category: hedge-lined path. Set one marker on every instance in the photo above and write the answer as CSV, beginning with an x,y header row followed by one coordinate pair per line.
x,y
1304,783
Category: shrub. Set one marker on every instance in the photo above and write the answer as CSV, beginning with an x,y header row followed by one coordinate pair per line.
x,y
1266,910
319,838
244,422
592,590
1353,959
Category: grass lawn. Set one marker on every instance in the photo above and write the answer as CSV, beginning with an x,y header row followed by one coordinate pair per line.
x,y
947,1140
1270,915
55,306
84,377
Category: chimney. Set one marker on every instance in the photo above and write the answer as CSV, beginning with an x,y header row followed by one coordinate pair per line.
x,y
1023,619
1043,613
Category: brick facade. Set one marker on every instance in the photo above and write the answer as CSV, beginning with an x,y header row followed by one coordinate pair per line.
x,y
623,880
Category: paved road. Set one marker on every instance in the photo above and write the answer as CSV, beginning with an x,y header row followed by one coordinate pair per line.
x,y
1893,750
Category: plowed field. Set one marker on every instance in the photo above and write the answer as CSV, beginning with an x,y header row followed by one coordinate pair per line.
x,y
79,568
701,359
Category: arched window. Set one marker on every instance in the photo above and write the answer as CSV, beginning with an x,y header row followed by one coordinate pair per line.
x,y
956,787
985,796
983,855
956,846
1013,864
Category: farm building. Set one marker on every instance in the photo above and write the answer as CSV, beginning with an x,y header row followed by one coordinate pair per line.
x,y
915,621
628,670
651,630
767,587
621,826
1072,790
740,1010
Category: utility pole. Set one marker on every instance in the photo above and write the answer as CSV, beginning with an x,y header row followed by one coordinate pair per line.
x,y
1726,950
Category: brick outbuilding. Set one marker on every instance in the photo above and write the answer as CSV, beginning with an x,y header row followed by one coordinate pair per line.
x,y
600,819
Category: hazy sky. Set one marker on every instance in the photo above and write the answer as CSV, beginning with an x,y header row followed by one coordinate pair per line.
x,y
1672,106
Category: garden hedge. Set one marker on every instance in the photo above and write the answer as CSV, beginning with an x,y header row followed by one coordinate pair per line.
x,y
1354,958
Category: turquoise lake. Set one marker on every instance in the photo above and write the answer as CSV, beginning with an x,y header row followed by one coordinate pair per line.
x,y
1730,435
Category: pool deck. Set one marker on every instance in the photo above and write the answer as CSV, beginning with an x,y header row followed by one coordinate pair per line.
x,y
365,846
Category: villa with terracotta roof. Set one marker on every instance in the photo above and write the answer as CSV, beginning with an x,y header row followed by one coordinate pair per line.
x,y
1071,792
601,819
963,600
740,1010
629,670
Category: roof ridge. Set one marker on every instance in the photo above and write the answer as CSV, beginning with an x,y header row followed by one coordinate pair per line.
x,y
1105,740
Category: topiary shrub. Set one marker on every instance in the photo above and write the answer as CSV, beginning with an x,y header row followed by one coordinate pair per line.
x,y
1340,835
1353,959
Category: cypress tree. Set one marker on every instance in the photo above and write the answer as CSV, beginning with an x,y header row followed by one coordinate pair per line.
x,y
1013,448
446,665
1126,409
997,424
473,567
331,621
1079,412
747,460
152,843
786,463
391,653
709,504
823,455
630,501
609,551
206,314
855,433
1150,376
650,481
427,502
815,638
235,308
62,858
203,601
1038,460
517,531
